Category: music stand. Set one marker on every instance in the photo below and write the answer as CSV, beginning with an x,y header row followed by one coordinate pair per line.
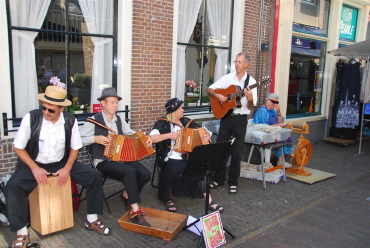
x,y
203,160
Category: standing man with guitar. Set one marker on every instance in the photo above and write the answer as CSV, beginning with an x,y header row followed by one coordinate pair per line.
x,y
234,120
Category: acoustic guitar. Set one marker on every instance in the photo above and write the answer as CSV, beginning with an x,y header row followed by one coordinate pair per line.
x,y
233,94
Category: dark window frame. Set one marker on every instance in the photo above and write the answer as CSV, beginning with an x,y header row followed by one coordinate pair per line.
x,y
10,41
198,110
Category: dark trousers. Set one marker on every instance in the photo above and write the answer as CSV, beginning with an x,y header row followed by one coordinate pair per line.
x,y
133,175
234,126
22,183
171,183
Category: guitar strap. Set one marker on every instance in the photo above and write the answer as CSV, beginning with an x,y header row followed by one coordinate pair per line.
x,y
246,82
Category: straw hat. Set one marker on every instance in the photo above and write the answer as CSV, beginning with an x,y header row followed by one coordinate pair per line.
x,y
54,95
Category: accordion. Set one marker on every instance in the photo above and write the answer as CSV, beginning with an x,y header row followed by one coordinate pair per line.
x,y
127,148
189,138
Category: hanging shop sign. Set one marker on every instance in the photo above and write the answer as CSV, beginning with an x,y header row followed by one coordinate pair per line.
x,y
348,22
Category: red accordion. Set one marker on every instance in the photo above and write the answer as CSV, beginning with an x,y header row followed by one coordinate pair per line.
x,y
127,148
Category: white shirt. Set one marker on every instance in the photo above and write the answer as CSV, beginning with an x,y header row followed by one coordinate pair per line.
x,y
172,153
231,79
88,129
51,140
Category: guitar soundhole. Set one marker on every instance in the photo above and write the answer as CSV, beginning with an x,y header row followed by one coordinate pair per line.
x,y
229,98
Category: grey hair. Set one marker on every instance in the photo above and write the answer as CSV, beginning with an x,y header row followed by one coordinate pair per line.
x,y
246,57
272,96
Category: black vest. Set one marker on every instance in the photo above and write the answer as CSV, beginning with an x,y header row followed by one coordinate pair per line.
x,y
98,149
36,118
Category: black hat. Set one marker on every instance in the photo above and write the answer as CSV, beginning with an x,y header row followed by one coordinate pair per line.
x,y
107,92
172,105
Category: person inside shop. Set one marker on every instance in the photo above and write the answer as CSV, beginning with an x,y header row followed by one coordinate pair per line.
x,y
47,143
172,163
270,114
133,175
234,124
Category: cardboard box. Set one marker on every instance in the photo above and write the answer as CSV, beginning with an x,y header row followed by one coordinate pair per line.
x,y
164,224
51,207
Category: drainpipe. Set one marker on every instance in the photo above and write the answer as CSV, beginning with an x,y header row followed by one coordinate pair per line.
x,y
274,45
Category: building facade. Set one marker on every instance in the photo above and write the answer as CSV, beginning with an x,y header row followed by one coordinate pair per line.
x,y
154,50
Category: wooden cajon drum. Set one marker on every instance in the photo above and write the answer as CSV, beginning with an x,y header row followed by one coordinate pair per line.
x,y
51,207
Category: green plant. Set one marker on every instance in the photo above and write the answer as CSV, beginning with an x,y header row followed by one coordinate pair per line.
x,y
192,100
205,99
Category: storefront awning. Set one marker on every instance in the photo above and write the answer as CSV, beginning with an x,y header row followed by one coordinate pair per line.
x,y
358,49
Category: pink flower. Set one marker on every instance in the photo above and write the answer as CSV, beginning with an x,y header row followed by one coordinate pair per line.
x,y
56,81
191,84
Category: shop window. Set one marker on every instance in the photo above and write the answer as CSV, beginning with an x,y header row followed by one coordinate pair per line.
x,y
72,43
203,48
311,16
348,23
305,77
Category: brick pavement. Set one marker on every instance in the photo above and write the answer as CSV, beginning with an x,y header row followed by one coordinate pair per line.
x,y
249,213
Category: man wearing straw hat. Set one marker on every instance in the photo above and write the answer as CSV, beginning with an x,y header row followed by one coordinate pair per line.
x,y
47,143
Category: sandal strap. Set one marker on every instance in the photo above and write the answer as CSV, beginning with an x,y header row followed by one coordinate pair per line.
x,y
98,226
139,211
21,241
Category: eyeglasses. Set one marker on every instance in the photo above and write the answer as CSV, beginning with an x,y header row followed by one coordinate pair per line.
x,y
49,110
274,102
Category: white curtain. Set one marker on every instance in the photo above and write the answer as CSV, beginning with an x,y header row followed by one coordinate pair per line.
x,y
188,13
98,15
218,12
31,14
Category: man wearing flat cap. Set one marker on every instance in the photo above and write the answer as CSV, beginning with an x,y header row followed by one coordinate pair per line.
x,y
270,114
47,143
133,175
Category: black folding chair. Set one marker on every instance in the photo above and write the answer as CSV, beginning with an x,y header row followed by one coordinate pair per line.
x,y
91,159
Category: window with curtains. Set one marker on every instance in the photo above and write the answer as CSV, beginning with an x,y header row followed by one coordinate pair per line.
x,y
68,41
203,47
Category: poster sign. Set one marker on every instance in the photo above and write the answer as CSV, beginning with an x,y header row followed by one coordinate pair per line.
x,y
97,108
348,22
213,231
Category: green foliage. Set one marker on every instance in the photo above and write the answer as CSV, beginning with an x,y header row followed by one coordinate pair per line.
x,y
205,98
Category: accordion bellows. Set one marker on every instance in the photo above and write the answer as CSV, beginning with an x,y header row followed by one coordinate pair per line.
x,y
127,148
189,138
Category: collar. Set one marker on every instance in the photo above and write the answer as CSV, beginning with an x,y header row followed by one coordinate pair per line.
x,y
242,79
60,121
114,119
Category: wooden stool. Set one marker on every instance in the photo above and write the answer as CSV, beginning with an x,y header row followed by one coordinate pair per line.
x,y
51,207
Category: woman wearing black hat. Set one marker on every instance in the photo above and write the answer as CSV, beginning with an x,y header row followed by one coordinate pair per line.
x,y
172,163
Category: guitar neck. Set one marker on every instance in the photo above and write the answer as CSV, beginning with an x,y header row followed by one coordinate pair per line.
x,y
241,92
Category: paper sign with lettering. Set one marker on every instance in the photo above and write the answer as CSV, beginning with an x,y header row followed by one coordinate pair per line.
x,y
97,108
213,231
348,22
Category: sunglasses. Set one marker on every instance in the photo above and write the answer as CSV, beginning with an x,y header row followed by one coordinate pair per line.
x,y
49,110
274,102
